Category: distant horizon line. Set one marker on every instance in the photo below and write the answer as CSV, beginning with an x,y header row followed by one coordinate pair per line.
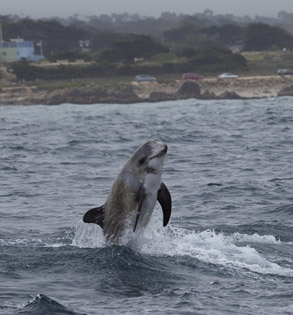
x,y
84,16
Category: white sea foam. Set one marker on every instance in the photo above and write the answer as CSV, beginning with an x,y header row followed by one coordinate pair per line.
x,y
88,236
212,247
21,242
254,238
230,251
32,242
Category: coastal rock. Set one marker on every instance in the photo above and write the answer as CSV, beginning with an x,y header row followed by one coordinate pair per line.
x,y
160,96
93,95
188,89
287,91
208,96
134,92
228,95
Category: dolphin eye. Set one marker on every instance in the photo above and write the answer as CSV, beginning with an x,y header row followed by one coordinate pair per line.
x,y
142,160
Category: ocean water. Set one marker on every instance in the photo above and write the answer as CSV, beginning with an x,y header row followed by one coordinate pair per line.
x,y
228,248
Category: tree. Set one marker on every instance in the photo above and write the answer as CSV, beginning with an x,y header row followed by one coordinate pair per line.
x,y
128,48
54,35
70,55
22,70
217,59
261,36
226,33
188,33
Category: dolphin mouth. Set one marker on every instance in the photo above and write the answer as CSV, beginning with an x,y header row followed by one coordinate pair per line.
x,y
161,153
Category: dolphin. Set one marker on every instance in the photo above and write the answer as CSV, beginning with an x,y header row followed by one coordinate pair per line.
x,y
134,193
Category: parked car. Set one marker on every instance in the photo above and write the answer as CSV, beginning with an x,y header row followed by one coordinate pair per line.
x,y
191,76
144,77
284,72
227,76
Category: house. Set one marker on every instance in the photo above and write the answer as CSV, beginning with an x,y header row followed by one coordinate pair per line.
x,y
18,49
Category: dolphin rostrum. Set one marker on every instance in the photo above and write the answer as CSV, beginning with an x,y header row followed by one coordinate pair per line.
x,y
134,194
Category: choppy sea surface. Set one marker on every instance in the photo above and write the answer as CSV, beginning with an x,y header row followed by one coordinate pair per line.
x,y
228,248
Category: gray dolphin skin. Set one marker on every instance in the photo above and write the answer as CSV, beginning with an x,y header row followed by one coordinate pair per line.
x,y
133,197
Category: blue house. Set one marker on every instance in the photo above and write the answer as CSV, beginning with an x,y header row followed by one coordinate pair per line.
x,y
18,49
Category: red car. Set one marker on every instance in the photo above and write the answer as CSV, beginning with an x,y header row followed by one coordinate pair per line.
x,y
191,76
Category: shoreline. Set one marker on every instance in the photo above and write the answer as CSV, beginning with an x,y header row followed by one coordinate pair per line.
x,y
248,87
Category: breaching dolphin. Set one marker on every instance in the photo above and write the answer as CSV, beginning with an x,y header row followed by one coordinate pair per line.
x,y
133,197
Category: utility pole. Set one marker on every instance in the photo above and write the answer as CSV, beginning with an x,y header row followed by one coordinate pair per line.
x,y
1,46
41,48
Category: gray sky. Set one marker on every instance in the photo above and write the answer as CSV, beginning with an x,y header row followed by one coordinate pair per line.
x,y
65,8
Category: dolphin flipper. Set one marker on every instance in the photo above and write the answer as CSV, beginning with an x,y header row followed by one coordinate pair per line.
x,y
164,198
95,215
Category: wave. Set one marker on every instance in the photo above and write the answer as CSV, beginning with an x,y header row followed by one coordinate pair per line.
x,y
21,242
42,304
218,249
237,251
285,209
88,236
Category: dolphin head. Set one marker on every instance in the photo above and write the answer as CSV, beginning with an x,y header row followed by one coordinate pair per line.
x,y
149,157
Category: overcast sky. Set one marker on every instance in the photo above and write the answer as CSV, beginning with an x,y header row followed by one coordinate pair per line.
x,y
65,8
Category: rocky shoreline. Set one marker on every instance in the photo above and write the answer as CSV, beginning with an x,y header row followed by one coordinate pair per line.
x,y
134,92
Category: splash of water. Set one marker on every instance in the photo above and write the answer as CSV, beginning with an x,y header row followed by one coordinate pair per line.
x,y
88,236
230,251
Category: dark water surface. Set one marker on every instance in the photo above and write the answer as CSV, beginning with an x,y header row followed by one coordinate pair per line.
x,y
228,248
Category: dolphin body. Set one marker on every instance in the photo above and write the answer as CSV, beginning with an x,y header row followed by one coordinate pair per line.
x,y
133,197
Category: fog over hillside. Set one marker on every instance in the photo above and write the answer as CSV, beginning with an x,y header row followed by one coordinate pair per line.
x,y
65,8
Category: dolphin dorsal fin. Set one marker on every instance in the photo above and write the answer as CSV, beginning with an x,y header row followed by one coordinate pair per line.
x,y
164,198
95,215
